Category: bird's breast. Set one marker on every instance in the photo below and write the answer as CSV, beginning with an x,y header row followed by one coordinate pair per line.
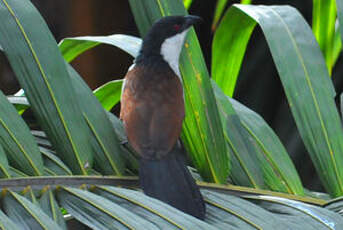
x,y
152,110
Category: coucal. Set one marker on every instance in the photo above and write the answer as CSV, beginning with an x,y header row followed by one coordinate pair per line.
x,y
152,110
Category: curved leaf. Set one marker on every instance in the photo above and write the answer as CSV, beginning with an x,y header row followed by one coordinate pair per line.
x,y
20,103
109,94
245,169
40,69
232,36
307,85
279,171
73,47
202,132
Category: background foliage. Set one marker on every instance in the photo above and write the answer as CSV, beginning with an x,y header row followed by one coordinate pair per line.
x,y
71,134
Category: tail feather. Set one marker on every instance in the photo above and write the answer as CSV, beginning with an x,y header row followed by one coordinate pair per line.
x,y
170,181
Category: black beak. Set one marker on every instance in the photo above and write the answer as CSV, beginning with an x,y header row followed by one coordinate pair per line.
x,y
192,20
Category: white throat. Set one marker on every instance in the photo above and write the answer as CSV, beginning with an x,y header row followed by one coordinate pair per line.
x,y
171,49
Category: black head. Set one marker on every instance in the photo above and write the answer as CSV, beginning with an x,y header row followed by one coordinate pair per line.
x,y
163,29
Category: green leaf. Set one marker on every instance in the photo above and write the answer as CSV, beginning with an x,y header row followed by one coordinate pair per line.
x,y
4,167
17,141
73,47
245,169
107,149
202,132
49,205
239,213
323,25
246,1
302,71
84,206
109,94
6,223
53,164
220,7
20,103
26,214
232,36
40,69
312,217
335,205
17,173
161,214
187,3
278,169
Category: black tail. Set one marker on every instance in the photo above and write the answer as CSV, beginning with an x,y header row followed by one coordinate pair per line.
x,y
170,181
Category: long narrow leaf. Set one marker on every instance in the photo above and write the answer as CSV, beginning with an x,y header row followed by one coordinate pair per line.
x,y
279,171
26,214
17,141
312,217
202,129
245,169
4,166
232,36
152,209
323,25
302,70
50,206
40,69
6,223
107,149
84,206
239,213
53,164
220,8
73,47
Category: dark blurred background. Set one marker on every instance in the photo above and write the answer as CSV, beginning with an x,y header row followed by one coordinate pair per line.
x,y
258,86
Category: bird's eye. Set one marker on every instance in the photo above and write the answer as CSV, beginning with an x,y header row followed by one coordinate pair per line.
x,y
177,27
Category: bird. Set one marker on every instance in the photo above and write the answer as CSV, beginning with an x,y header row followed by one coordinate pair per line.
x,y
152,111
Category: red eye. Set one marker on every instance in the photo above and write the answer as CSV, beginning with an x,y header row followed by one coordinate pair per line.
x,y
177,27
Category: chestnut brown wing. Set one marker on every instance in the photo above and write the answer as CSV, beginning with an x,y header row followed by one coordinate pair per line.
x,y
152,111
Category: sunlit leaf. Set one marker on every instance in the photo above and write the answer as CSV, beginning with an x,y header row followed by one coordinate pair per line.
x,y
109,94
302,71
323,25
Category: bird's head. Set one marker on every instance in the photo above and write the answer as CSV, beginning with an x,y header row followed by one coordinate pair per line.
x,y
166,38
